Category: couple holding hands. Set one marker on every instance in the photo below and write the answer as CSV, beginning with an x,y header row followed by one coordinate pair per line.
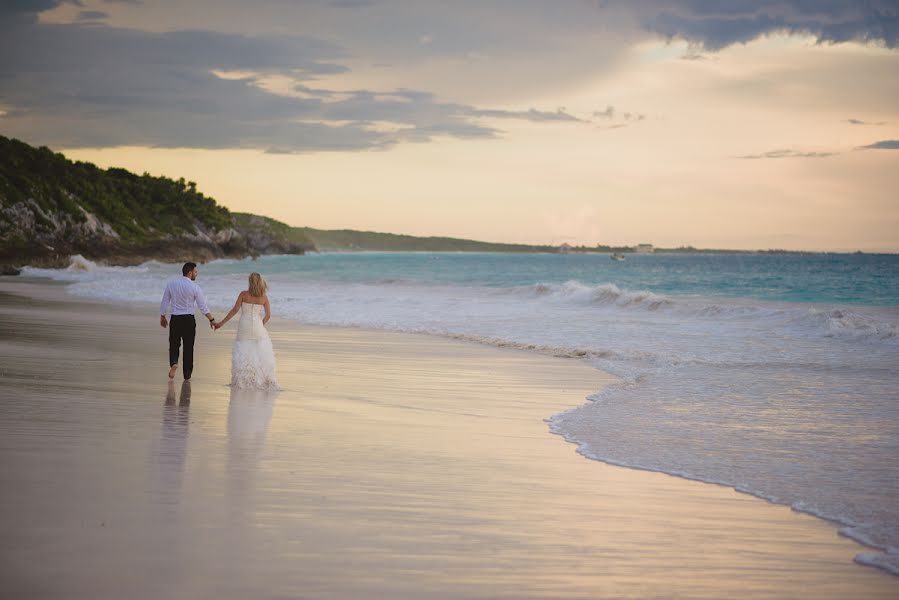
x,y
252,357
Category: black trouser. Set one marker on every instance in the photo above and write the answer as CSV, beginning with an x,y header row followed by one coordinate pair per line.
x,y
182,327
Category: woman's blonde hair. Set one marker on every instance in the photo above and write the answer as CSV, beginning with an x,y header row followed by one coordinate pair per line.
x,y
258,286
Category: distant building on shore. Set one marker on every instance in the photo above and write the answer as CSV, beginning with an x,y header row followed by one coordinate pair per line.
x,y
644,249
564,248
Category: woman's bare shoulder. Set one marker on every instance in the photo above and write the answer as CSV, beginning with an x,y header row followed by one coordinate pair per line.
x,y
249,298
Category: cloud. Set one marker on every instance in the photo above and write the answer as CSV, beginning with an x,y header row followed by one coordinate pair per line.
x,y
28,6
21,12
860,122
788,153
421,110
103,86
352,3
107,86
709,25
610,112
716,25
616,118
883,145
87,82
92,15
527,115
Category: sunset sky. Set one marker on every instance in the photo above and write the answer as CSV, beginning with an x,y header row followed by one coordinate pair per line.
x,y
717,124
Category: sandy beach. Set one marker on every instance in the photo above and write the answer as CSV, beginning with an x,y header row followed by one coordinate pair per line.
x,y
390,466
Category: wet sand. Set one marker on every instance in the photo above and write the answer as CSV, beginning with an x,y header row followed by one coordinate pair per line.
x,y
390,466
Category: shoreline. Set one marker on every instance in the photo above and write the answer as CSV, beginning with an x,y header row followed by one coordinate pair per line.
x,y
862,559
375,372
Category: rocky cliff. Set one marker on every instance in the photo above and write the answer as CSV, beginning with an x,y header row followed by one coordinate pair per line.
x,y
52,208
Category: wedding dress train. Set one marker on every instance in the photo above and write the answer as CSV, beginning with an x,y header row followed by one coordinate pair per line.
x,y
253,358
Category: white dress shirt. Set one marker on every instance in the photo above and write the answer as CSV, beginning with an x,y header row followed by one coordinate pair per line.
x,y
181,294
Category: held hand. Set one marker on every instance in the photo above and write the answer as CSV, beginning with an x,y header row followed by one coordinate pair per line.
x,y
217,326
212,325
162,322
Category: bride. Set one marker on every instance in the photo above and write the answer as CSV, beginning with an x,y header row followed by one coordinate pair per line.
x,y
252,358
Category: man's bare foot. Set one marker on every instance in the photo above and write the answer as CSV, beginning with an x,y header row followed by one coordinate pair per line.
x,y
172,371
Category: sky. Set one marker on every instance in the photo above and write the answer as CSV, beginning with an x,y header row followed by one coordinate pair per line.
x,y
766,124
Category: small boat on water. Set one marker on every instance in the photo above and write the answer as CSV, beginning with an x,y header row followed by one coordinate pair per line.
x,y
617,256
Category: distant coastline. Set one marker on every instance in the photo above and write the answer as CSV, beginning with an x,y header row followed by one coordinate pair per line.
x,y
52,208
348,240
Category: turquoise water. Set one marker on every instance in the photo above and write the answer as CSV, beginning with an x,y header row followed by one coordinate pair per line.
x,y
871,279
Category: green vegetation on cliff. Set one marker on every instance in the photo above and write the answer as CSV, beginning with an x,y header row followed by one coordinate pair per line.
x,y
266,226
136,207
51,207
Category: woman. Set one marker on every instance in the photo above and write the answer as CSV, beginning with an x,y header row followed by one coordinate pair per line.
x,y
252,358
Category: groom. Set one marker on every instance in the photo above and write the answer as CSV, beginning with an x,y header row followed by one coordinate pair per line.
x,y
181,294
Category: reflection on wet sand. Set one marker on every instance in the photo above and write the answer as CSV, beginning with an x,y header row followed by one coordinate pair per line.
x,y
249,415
185,395
171,452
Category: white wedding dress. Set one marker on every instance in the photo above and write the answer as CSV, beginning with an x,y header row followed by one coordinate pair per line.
x,y
253,358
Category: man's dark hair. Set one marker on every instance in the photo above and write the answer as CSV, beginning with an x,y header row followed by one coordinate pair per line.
x,y
187,268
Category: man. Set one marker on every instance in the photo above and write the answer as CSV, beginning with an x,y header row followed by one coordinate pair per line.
x,y
181,294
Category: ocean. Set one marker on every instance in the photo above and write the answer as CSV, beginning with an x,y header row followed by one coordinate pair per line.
x,y
774,374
